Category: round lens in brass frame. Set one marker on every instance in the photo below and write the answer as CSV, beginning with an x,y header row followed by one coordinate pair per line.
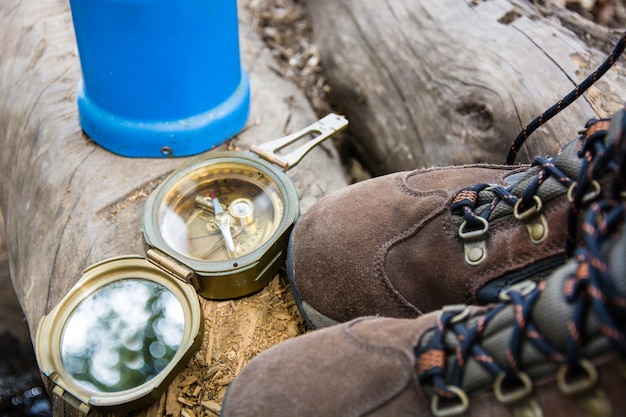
x,y
120,335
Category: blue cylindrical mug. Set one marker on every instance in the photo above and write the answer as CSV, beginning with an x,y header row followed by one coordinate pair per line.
x,y
160,77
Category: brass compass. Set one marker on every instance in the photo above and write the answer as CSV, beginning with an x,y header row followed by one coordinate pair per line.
x,y
226,216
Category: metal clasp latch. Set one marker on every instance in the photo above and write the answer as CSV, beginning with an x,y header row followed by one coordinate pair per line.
x,y
323,129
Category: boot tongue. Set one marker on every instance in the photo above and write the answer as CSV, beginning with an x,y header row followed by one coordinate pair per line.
x,y
552,311
550,316
566,160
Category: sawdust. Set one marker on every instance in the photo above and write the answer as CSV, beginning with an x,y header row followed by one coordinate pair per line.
x,y
235,332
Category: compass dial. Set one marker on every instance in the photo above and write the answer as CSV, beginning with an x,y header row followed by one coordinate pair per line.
x,y
220,211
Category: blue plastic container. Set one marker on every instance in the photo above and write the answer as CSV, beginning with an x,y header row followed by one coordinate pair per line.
x,y
160,77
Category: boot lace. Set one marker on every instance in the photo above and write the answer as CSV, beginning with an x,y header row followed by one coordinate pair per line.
x,y
566,101
590,289
526,205
580,191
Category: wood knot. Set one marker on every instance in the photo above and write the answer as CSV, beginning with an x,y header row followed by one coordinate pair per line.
x,y
476,115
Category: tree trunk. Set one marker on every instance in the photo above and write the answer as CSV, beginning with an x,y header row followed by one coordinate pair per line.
x,y
452,82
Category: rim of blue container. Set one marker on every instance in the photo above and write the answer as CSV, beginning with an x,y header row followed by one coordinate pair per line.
x,y
165,138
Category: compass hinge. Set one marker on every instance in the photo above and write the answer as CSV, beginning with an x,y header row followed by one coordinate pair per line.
x,y
167,263
77,403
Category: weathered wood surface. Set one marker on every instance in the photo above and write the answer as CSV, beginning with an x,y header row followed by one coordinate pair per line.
x,y
451,82
67,203
423,83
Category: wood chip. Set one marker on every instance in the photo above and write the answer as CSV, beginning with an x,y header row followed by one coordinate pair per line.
x,y
238,330
185,401
226,380
281,316
212,406
185,412
188,381
213,370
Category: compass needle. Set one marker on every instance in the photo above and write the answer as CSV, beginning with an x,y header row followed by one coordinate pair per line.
x,y
217,245
223,221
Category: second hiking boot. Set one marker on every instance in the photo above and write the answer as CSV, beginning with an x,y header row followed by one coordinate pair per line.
x,y
408,243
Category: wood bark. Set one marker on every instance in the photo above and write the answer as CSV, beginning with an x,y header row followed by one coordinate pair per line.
x,y
67,203
451,82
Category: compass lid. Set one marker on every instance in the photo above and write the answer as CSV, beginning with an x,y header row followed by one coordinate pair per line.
x,y
119,336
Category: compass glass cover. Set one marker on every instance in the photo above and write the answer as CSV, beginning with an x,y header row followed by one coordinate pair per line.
x,y
122,336
220,211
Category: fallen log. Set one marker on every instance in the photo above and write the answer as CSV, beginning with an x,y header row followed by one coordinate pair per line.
x,y
67,203
453,82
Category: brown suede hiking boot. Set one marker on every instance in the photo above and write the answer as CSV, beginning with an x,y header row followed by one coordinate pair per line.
x,y
408,243
556,348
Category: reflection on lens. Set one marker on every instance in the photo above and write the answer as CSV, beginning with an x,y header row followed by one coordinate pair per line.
x,y
251,199
122,336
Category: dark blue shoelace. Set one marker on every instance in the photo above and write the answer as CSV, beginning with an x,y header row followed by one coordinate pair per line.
x,y
465,202
566,101
596,163
590,289
590,149
593,288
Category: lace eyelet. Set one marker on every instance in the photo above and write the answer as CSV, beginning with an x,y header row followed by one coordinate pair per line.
x,y
581,382
587,198
531,212
535,222
508,396
474,233
475,248
462,312
455,409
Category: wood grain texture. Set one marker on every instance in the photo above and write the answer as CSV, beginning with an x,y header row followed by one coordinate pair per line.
x,y
452,82
67,203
